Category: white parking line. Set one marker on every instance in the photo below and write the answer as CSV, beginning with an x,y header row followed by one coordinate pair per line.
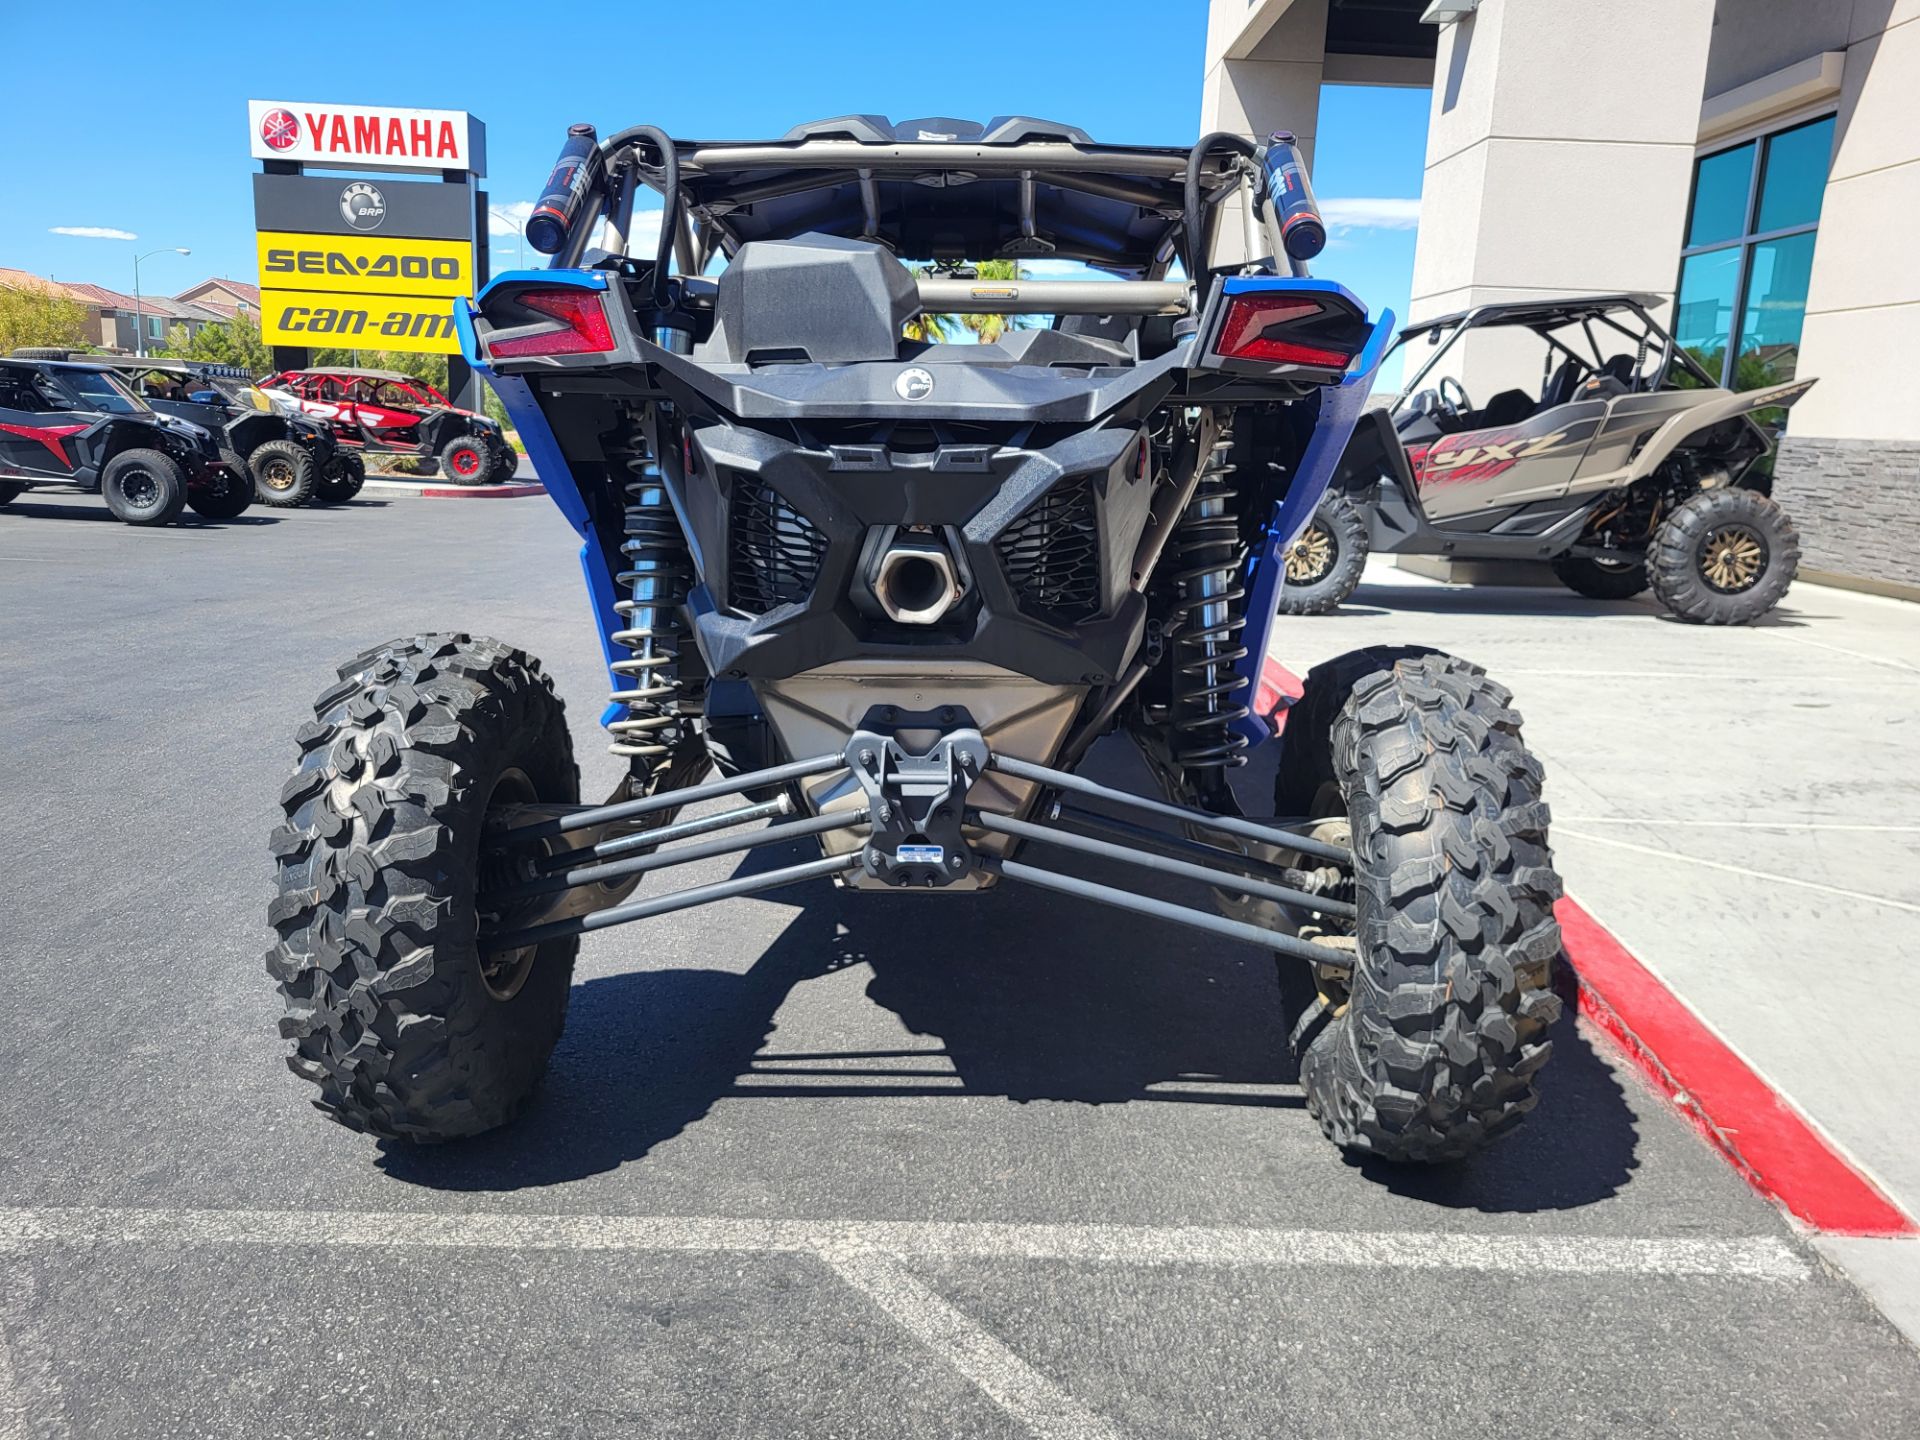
x,y
1006,1379
1560,832
1658,824
1752,1258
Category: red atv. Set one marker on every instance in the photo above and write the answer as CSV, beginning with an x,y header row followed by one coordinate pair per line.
x,y
385,412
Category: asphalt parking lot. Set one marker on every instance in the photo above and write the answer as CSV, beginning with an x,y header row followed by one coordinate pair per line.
x,y
805,1164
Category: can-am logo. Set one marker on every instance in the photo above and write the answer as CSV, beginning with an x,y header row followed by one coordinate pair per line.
x,y
363,206
280,129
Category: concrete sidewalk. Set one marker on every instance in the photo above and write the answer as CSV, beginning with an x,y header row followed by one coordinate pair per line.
x,y
1740,807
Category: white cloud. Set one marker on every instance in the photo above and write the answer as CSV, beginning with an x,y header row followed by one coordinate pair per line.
x,y
1371,213
508,219
92,232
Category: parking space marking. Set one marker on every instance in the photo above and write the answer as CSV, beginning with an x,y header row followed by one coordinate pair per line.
x,y
1840,825
1561,832
1012,1384
1751,1258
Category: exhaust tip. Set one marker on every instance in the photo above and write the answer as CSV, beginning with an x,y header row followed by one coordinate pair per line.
x,y
915,583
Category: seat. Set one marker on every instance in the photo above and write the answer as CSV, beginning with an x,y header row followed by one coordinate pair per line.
x,y
1561,385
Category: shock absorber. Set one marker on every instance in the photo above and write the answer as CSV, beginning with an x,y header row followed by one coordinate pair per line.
x,y
656,577
1209,561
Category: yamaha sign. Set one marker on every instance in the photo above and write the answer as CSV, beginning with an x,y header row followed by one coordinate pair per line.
x,y
367,137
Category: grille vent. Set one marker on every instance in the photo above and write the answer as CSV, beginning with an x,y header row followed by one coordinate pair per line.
x,y
1052,554
774,551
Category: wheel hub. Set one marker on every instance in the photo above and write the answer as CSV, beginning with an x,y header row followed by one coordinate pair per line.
x,y
1310,556
279,475
503,972
139,488
1733,558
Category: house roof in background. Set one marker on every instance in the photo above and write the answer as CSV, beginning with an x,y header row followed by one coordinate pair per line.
x,y
239,289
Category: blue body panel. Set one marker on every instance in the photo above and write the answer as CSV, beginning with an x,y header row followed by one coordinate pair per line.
x,y
1340,407
551,466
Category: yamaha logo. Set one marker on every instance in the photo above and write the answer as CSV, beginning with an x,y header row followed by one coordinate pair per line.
x,y
914,384
363,206
279,129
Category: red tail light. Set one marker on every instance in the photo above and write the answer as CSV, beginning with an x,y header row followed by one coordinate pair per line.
x,y
1255,328
583,328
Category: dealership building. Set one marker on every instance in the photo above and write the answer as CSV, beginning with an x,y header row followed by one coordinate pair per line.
x,y
1755,163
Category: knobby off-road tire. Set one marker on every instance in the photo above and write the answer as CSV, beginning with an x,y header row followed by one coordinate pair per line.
x,y
1435,1049
1598,580
341,479
10,491
389,1010
466,460
225,498
506,461
1691,550
144,487
283,473
1339,523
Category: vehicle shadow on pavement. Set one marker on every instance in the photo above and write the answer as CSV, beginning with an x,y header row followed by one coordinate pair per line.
x,y
1524,600
99,512
1030,1000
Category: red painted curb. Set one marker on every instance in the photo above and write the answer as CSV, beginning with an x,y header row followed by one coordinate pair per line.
x,y
479,492
1757,1128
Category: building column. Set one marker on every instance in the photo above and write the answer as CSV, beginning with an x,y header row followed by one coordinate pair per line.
x,y
1560,150
1264,63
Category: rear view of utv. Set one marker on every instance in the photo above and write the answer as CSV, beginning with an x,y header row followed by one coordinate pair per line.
x,y
1632,470
882,596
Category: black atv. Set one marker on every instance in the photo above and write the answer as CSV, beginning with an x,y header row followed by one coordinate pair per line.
x,y
291,460
888,594
73,425
1632,469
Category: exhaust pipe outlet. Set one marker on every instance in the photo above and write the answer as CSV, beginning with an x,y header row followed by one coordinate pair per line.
x,y
915,582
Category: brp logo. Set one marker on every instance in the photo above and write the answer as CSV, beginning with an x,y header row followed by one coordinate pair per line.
x,y
363,206
280,130
914,384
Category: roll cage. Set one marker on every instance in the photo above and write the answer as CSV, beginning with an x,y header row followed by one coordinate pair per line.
x,y
946,190
1627,315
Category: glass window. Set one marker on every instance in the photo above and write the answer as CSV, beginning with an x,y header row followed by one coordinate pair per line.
x,y
1722,185
1741,298
104,392
1703,309
1776,306
1796,176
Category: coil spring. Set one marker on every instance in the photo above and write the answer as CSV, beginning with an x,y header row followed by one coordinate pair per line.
x,y
1208,616
656,579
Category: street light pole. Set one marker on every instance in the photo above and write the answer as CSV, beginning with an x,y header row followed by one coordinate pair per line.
x,y
519,235
139,326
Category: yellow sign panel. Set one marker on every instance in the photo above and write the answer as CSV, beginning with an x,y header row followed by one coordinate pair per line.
x,y
364,322
363,265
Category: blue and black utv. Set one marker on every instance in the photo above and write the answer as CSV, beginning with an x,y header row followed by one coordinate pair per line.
x,y
886,594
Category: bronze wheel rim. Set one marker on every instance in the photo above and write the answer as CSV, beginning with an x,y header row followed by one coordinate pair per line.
x,y
277,474
1733,558
1310,558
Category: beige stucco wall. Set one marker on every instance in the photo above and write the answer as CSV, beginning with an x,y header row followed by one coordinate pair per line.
x,y
1862,331
1545,172
1264,68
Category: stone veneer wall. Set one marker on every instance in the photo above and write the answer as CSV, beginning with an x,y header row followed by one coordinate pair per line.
x,y
1856,503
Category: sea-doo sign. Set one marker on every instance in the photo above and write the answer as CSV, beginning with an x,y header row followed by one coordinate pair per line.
x,y
367,137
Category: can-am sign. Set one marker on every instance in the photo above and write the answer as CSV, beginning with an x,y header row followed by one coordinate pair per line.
x,y
367,137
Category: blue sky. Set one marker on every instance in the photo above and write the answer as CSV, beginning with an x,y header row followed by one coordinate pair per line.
x,y
155,143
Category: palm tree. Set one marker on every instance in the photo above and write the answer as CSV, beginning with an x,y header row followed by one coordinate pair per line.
x,y
986,328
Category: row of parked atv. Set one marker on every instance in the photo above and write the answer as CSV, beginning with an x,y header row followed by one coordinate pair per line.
x,y
156,437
